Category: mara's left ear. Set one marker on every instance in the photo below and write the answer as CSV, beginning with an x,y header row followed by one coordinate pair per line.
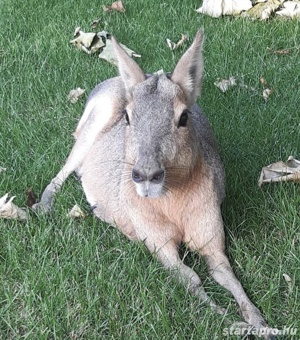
x,y
129,70
189,70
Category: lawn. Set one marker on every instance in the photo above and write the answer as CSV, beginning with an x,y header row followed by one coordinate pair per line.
x,y
81,279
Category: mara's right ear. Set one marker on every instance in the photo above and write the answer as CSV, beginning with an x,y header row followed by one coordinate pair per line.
x,y
129,70
189,70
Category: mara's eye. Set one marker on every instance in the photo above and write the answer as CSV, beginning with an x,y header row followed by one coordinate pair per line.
x,y
126,117
183,118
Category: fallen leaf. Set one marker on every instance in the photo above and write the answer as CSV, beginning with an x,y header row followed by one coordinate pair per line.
x,y
216,8
88,42
108,52
115,6
75,212
281,172
289,281
280,52
75,94
266,94
31,198
211,8
94,42
77,31
263,10
2,169
234,7
95,23
10,211
267,91
264,82
173,45
159,72
290,9
225,84
256,10
104,35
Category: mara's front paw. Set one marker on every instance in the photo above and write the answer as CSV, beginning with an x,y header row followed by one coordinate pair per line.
x,y
42,207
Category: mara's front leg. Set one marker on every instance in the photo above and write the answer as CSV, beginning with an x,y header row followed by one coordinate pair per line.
x,y
99,114
208,239
162,239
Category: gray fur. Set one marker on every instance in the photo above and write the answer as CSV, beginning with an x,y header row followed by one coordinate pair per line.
x,y
159,179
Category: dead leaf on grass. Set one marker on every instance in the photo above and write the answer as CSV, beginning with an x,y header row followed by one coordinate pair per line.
x,y
115,6
225,84
216,8
75,212
263,11
281,172
75,94
95,23
290,9
280,52
174,46
30,198
267,91
256,10
10,211
98,42
108,52
159,72
289,281
89,42
266,94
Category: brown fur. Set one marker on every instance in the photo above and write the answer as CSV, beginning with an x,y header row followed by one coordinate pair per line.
x,y
158,177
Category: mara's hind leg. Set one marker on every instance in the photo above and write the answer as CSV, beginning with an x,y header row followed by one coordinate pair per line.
x,y
207,238
222,272
97,120
168,255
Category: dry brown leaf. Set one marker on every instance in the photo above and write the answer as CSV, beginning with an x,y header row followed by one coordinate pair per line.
x,y
75,212
75,94
82,40
159,72
89,42
267,91
95,23
10,211
264,82
108,52
225,84
115,6
289,281
256,10
30,198
281,172
290,9
263,11
173,45
94,42
216,8
266,94
280,52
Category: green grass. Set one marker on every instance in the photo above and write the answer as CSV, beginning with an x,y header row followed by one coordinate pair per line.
x,y
65,279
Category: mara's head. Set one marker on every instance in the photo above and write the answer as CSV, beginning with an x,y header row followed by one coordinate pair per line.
x,y
160,139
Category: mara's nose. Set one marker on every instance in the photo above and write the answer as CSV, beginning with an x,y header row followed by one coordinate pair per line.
x,y
139,176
